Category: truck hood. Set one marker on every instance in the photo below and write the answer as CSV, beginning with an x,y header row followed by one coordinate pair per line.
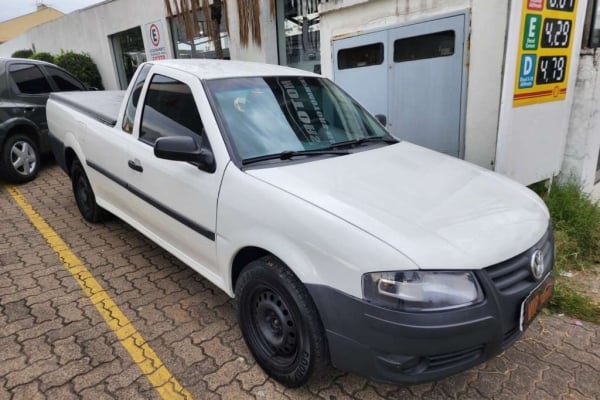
x,y
441,212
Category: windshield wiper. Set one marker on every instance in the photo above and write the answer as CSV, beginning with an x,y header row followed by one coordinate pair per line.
x,y
358,142
286,155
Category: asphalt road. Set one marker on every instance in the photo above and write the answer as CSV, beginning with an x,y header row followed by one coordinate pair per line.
x,y
100,312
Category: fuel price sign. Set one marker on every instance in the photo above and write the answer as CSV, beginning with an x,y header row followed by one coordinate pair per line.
x,y
547,27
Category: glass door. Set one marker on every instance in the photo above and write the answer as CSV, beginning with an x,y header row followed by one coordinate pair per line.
x,y
128,48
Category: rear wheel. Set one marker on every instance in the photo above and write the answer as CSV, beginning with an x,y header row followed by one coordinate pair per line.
x,y
280,322
20,158
84,195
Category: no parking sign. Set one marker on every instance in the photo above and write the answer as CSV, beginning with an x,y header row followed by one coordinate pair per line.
x,y
155,41
154,35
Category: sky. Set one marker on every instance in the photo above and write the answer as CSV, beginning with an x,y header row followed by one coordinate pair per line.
x,y
14,8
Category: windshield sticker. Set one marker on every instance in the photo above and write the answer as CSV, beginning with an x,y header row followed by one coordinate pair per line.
x,y
307,113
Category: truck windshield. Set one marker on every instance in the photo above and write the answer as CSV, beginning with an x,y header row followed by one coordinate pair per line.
x,y
266,116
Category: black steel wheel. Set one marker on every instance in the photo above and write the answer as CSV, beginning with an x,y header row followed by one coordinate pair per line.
x,y
20,158
280,322
84,195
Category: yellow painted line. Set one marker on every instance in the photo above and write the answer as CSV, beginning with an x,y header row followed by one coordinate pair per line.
x,y
142,354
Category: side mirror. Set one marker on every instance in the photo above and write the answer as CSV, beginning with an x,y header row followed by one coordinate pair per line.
x,y
185,148
382,119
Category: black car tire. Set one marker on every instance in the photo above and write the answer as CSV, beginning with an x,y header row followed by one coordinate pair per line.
x,y
20,161
280,322
84,195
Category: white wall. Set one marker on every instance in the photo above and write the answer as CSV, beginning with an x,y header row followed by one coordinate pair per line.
x,y
88,30
583,139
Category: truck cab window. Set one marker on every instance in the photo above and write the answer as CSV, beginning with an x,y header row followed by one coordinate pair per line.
x,y
169,110
134,97
29,79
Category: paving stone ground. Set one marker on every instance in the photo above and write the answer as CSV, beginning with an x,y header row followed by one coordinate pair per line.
x,y
55,345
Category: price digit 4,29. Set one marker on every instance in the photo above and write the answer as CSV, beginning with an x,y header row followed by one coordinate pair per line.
x,y
557,33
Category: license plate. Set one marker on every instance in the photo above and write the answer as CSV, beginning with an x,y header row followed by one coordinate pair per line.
x,y
536,300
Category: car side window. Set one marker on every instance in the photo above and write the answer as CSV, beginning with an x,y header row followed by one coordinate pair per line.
x,y
64,81
134,97
169,110
29,79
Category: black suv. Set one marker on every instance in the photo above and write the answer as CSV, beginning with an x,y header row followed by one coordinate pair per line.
x,y
24,89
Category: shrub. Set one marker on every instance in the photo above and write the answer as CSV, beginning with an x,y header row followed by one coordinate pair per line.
x,y
577,217
568,301
43,56
25,53
82,66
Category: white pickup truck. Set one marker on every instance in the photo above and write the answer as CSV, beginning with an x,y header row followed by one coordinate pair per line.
x,y
339,242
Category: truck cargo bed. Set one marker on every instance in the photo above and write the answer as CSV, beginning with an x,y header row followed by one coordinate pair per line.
x,y
101,105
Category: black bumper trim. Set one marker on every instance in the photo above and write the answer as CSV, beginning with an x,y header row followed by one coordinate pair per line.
x,y
401,347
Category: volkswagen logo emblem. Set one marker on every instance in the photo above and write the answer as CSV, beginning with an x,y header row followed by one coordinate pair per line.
x,y
537,264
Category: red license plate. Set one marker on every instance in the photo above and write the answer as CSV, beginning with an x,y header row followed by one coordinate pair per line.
x,y
536,301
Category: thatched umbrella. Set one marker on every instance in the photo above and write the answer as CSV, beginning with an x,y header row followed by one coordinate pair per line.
x,y
248,15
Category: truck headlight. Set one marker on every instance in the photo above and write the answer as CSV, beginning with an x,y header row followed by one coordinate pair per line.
x,y
422,290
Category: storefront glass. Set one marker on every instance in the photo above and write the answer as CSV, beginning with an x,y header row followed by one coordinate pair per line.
x,y
128,47
201,46
298,34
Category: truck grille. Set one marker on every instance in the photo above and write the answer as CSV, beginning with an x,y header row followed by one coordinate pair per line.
x,y
514,275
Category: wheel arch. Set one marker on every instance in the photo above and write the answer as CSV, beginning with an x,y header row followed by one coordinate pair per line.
x,y
299,266
72,151
70,157
243,257
22,126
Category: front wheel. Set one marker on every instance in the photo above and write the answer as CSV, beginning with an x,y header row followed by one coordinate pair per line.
x,y
280,322
84,195
20,158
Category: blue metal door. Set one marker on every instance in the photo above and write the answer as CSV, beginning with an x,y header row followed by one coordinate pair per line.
x,y
360,67
412,74
425,96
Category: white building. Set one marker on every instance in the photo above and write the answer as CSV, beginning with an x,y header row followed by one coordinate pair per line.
x,y
508,85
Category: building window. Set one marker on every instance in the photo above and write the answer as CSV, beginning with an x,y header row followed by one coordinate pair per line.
x,y
439,44
298,34
591,25
128,47
361,56
200,46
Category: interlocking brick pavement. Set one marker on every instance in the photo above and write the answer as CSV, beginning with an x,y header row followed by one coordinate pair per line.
x,y
55,345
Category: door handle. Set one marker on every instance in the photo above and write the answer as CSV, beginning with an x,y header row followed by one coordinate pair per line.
x,y
135,165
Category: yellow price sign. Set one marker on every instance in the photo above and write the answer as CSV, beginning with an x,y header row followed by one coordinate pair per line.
x,y
546,41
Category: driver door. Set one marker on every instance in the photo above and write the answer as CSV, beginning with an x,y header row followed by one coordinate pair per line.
x,y
178,200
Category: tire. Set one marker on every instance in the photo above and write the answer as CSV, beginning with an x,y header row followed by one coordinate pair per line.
x,y
20,161
84,195
280,322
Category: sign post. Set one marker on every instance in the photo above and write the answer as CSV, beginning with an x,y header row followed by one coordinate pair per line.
x,y
544,51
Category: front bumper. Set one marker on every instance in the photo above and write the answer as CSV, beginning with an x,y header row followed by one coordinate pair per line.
x,y
404,347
